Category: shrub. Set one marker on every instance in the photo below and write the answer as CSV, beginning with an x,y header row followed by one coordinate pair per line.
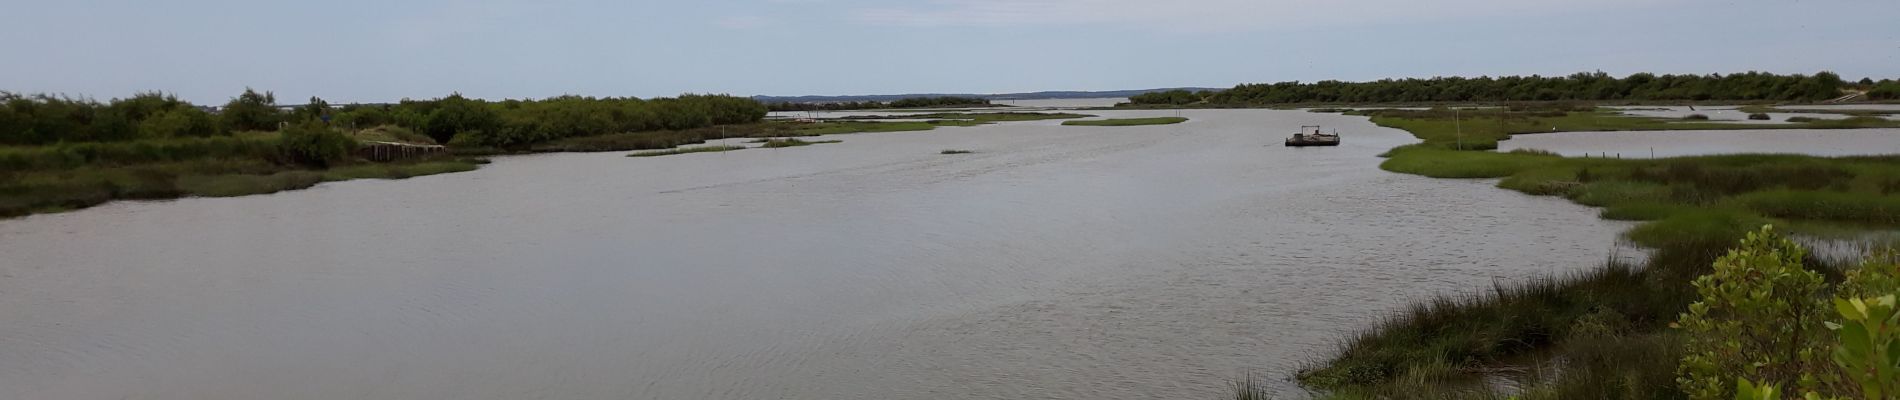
x,y
314,145
1758,316
251,111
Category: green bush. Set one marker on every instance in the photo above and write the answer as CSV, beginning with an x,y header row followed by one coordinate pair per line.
x,y
252,111
1759,316
314,145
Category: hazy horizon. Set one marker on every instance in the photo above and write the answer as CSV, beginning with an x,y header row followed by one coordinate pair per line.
x,y
365,51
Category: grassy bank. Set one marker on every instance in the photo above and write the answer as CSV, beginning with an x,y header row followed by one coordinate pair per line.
x,y
29,192
1602,334
67,176
1127,121
686,150
1483,128
977,117
655,140
793,142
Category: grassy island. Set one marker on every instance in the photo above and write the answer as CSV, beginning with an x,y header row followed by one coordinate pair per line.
x,y
977,117
686,150
1127,121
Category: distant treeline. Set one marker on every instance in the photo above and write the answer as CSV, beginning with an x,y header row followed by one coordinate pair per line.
x,y
1886,89
1172,97
1599,86
47,119
913,102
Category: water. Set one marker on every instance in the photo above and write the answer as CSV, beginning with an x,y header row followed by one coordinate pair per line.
x,y
1720,114
1056,262
1640,144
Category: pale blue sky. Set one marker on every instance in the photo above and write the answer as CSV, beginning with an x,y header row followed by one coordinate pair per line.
x,y
367,50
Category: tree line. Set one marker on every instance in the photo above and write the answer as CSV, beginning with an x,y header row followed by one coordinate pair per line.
x,y
1886,89
912,102
1749,86
1171,97
47,119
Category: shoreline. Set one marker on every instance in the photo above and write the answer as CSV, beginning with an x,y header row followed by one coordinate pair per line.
x,y
1445,345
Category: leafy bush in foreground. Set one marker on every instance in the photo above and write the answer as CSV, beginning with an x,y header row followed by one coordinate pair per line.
x,y
1759,317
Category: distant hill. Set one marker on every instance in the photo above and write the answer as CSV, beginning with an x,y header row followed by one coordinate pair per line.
x,y
1000,96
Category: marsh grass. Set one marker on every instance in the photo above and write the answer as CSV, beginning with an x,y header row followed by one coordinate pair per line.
x,y
1127,121
1248,388
986,117
25,193
794,142
1603,333
1483,128
686,150
845,127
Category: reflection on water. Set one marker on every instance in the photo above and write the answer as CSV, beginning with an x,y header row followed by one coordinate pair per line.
x,y
1055,262
1645,144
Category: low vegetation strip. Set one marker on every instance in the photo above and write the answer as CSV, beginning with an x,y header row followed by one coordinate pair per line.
x,y
1127,121
1590,86
1481,129
687,150
25,193
793,142
981,117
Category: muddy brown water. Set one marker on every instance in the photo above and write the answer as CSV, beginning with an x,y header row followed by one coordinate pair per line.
x,y
1054,262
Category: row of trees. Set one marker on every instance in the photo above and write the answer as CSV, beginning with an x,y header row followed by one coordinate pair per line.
x,y
1171,97
464,121
45,119
1886,89
1580,86
40,119
912,102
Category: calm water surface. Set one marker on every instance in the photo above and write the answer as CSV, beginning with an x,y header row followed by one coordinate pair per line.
x,y
1056,262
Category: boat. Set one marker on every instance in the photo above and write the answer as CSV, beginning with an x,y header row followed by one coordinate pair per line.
x,y
1309,135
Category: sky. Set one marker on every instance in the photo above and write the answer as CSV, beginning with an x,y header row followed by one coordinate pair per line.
x,y
208,51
